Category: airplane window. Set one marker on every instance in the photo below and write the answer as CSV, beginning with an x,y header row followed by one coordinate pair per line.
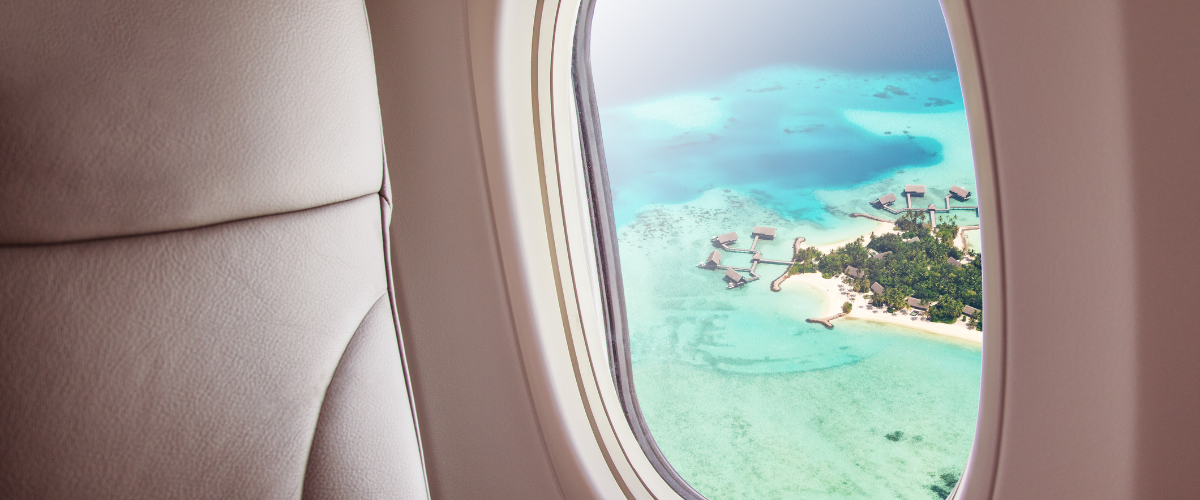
x,y
787,197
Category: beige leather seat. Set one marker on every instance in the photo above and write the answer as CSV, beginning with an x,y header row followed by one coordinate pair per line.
x,y
194,290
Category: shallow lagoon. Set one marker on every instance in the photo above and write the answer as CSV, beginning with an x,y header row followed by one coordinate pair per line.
x,y
745,399
810,144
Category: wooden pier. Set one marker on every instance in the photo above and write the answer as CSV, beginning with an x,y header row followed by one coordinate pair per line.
x,y
780,262
908,196
756,254
779,281
747,270
723,242
961,207
726,247
873,217
827,321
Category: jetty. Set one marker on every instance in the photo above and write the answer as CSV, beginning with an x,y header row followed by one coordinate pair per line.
x,y
827,321
779,281
886,201
775,285
873,217
732,277
913,190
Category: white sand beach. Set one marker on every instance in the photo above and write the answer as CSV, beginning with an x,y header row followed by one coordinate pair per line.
x,y
880,229
964,239
835,297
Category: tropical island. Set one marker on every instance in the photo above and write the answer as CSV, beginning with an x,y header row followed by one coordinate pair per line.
x,y
918,263
912,273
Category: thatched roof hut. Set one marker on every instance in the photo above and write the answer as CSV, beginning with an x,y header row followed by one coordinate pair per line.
x,y
725,239
763,232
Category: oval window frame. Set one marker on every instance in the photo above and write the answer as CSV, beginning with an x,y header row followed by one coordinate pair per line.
x,y
534,119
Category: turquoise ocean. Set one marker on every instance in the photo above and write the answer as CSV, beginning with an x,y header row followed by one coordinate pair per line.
x,y
745,399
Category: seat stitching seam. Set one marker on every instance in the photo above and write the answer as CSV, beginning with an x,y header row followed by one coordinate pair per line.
x,y
179,230
325,394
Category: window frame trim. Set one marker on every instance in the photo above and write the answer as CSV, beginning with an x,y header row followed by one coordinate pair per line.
x,y
606,251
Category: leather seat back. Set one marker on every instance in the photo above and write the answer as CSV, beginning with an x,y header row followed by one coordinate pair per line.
x,y
194,288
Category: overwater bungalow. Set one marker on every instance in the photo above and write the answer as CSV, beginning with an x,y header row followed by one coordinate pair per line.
x,y
763,232
714,260
854,272
725,239
876,288
734,278
914,190
885,200
970,311
959,193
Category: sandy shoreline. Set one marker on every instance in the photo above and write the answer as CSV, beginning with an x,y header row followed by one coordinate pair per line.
x,y
879,229
834,299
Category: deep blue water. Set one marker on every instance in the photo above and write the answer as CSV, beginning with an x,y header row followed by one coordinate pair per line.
x,y
777,133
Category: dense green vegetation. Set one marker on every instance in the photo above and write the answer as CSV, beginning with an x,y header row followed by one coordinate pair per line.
x,y
916,268
946,310
805,261
847,307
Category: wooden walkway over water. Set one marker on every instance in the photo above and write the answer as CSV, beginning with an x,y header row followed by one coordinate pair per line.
x,y
755,259
910,208
873,217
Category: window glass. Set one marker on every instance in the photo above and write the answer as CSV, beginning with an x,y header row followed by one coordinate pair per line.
x,y
793,190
